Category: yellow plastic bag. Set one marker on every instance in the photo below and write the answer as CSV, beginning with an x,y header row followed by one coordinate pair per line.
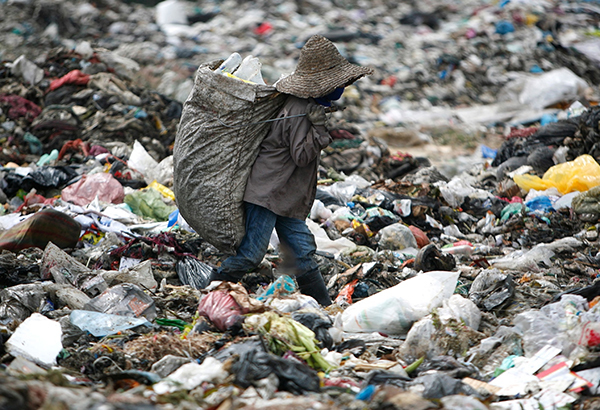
x,y
580,175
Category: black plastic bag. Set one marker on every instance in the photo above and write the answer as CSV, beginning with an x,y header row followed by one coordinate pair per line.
x,y
193,272
318,324
294,376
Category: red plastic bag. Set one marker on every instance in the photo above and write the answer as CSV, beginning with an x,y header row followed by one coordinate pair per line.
x,y
420,236
221,309
85,190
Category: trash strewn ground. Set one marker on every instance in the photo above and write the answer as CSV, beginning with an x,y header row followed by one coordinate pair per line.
x,y
456,216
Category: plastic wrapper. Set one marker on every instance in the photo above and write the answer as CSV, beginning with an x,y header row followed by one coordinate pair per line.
x,y
193,272
221,309
394,310
580,175
217,142
103,324
396,237
124,299
101,185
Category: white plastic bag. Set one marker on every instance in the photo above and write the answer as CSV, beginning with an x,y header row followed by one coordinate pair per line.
x,y
552,87
394,310
461,309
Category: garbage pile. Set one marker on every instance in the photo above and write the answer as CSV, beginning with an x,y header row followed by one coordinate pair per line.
x,y
465,286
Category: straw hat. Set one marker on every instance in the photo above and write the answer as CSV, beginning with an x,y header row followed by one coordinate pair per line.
x,y
321,69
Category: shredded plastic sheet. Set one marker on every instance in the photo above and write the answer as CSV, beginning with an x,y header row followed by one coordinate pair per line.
x,y
219,135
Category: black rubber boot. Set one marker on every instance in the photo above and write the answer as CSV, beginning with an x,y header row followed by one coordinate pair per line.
x,y
312,284
215,275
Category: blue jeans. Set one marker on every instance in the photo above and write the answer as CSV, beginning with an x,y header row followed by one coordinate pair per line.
x,y
293,234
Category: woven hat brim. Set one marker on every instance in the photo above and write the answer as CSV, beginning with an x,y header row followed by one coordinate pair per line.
x,y
318,84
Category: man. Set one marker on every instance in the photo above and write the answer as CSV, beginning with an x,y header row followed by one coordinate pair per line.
x,y
281,187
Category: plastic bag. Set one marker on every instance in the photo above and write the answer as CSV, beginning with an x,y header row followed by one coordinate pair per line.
x,y
491,288
221,309
396,237
580,174
193,272
103,324
149,204
218,138
319,324
461,309
152,170
293,376
101,185
551,88
394,310
587,202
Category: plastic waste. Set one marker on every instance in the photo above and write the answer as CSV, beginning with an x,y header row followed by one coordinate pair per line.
x,y
525,260
148,203
318,211
193,272
221,309
124,299
191,375
292,303
230,64
284,285
41,228
169,364
37,339
283,334
319,324
171,12
580,175
566,200
587,202
101,185
293,376
104,324
461,309
491,289
249,70
540,203
26,69
394,310
20,301
396,237
552,87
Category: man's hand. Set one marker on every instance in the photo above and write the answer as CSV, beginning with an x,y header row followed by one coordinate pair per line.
x,y
316,114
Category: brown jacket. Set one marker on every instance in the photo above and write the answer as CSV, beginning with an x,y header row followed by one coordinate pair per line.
x,y
284,176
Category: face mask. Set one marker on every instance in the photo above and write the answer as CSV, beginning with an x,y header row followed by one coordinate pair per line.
x,y
332,96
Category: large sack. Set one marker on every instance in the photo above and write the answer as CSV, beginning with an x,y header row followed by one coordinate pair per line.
x,y
216,144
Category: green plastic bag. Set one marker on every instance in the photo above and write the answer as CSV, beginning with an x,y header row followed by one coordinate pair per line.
x,y
149,203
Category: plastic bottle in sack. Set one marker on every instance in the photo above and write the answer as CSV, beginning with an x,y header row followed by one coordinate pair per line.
x,y
249,70
394,310
231,64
